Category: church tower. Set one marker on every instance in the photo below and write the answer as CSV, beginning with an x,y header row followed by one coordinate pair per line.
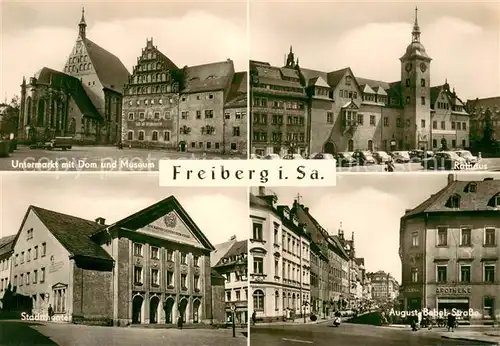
x,y
415,90
82,26
290,60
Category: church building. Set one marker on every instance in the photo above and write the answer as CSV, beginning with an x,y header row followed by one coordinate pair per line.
x,y
150,267
82,101
308,111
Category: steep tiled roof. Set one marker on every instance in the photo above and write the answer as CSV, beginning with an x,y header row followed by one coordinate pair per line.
x,y
237,96
373,83
158,210
208,77
469,201
219,251
6,244
334,77
73,233
110,70
57,79
239,248
339,246
478,107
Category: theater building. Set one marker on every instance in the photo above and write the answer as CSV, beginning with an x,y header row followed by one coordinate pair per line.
x,y
280,257
83,100
181,108
450,253
310,111
150,267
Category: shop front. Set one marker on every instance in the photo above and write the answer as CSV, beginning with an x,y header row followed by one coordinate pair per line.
x,y
413,298
454,299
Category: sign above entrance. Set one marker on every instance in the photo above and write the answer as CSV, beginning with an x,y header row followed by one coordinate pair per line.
x,y
454,290
170,226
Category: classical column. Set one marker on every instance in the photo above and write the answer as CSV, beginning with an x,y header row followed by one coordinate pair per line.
x,y
147,302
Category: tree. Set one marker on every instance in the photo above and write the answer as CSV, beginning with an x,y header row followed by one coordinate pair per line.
x,y
488,132
10,119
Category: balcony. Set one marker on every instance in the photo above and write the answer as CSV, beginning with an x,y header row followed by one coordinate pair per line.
x,y
349,126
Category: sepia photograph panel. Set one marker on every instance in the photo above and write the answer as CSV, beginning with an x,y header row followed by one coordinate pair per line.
x,y
390,257
397,87
82,256
119,86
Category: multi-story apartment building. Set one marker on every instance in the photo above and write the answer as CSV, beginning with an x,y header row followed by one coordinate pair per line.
x,y
235,116
278,108
343,112
233,266
384,286
5,264
449,250
280,254
150,267
83,101
184,108
331,256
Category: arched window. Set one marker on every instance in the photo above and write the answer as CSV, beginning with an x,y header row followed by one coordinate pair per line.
x,y
258,300
41,113
28,110
277,300
130,135
141,135
370,145
350,145
294,301
158,77
155,135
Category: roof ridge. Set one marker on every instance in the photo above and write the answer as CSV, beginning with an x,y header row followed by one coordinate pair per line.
x,y
432,199
56,212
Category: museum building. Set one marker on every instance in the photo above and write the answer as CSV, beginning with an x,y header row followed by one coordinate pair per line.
x,y
450,252
150,267
302,110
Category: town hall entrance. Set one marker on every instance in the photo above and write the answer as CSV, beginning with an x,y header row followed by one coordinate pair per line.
x,y
169,309
153,309
182,146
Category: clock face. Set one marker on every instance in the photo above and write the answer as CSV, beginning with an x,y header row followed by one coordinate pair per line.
x,y
423,67
408,67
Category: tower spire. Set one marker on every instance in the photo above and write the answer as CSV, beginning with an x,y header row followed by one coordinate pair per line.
x,y
82,25
416,29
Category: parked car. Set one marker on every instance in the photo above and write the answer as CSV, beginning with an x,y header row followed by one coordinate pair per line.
x,y
312,156
400,156
38,145
323,156
467,155
364,157
447,160
293,157
272,157
63,143
416,155
345,159
382,157
255,157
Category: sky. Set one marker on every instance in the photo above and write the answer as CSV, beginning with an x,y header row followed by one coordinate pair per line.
x,y
462,39
219,212
370,205
35,34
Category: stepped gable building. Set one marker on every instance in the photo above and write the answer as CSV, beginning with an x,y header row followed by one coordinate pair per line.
x,y
483,111
233,266
180,108
449,250
83,101
150,267
345,112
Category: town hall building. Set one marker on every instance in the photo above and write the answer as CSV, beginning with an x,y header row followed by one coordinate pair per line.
x,y
150,267
308,111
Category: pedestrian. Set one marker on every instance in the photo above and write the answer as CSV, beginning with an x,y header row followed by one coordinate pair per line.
x,y
254,317
450,322
179,322
50,311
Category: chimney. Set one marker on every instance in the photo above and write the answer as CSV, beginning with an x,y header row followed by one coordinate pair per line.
x,y
451,178
100,221
233,238
306,210
262,191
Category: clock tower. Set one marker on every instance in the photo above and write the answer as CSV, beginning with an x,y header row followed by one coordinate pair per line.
x,y
415,92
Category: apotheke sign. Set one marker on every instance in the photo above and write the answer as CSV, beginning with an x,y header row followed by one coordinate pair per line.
x,y
458,290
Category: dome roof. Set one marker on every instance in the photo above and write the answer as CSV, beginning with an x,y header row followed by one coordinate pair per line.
x,y
416,49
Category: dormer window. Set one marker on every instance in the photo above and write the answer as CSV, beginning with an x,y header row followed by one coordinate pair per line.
x,y
453,202
471,187
348,80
